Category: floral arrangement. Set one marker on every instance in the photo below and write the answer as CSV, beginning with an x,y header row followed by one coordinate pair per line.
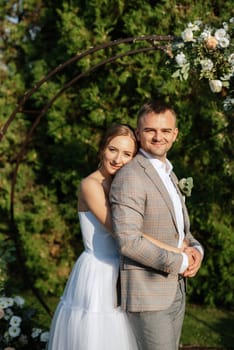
x,y
210,53
186,185
17,329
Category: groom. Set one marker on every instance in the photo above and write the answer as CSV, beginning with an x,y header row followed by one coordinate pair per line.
x,y
145,199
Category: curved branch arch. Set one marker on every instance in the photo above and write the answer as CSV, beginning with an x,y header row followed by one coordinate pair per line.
x,y
155,44
153,39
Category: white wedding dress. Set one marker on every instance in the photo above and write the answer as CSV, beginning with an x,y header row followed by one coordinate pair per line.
x,y
86,317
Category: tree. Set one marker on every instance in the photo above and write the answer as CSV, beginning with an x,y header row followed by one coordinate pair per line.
x,y
37,36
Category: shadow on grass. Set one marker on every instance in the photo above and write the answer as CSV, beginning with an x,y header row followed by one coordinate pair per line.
x,y
223,326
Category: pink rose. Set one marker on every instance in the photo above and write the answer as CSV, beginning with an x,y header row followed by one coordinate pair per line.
x,y
211,43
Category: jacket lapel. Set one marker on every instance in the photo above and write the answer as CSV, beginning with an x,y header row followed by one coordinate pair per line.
x,y
184,208
152,173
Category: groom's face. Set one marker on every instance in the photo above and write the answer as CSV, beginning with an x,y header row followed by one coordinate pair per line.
x,y
157,133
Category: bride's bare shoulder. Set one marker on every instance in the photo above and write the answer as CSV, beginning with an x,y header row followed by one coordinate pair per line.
x,y
91,180
89,187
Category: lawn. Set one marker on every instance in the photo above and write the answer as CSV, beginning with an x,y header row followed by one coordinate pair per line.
x,y
208,327
203,327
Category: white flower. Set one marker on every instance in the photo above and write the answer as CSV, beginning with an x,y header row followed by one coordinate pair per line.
x,y
179,45
225,26
186,185
10,302
14,331
198,23
44,337
205,34
187,35
3,303
6,302
226,77
194,26
8,314
190,25
220,34
15,321
19,300
228,103
12,318
224,42
207,52
215,85
207,64
231,59
36,332
180,59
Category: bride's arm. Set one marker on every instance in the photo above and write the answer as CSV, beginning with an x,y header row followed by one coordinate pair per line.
x,y
92,194
166,246
93,198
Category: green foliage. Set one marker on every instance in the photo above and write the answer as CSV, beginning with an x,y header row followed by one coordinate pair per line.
x,y
63,147
216,274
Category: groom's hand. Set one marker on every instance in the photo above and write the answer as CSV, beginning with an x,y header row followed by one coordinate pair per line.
x,y
195,259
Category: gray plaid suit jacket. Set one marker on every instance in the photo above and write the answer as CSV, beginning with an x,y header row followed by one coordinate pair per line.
x,y
141,204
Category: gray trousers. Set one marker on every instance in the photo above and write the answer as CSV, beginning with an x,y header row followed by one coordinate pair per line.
x,y
160,330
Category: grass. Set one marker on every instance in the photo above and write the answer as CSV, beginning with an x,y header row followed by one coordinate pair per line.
x,y
208,327
203,326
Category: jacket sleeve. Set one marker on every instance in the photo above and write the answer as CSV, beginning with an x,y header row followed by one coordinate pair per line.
x,y
128,199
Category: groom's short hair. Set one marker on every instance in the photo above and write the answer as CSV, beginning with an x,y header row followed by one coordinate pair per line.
x,y
154,106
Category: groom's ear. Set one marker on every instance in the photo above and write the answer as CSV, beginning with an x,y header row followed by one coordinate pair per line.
x,y
137,133
176,132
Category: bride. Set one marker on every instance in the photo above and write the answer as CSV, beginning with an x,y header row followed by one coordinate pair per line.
x,y
87,316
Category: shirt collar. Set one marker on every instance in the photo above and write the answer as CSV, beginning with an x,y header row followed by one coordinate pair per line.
x,y
167,166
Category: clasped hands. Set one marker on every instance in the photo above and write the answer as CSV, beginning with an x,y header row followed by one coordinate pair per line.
x,y
194,259
194,255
